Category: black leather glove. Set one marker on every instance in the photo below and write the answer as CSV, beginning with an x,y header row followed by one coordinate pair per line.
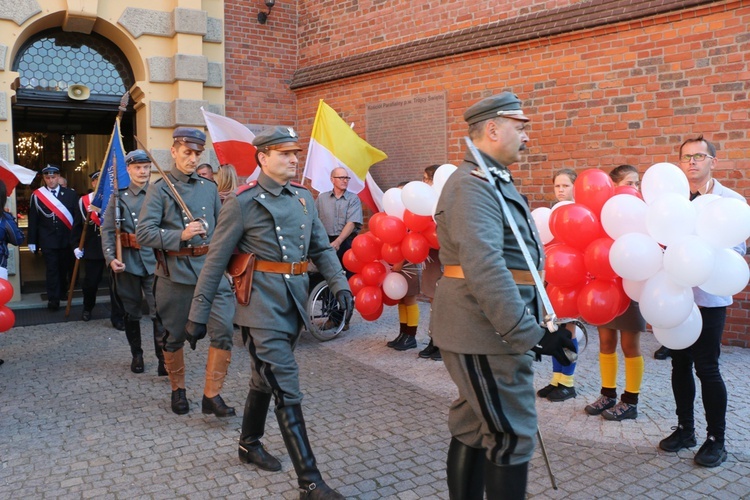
x,y
558,345
194,332
346,301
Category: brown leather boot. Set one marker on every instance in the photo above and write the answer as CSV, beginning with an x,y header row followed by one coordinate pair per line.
x,y
175,365
216,371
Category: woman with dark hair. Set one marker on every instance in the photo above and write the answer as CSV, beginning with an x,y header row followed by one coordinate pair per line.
x,y
9,233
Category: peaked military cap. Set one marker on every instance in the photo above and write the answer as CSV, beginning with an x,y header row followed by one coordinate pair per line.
x,y
278,138
190,137
137,156
51,169
95,175
504,104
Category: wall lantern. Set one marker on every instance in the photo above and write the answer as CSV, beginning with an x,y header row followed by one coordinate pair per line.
x,y
263,16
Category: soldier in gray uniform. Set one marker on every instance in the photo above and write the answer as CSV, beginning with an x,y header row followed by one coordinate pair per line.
x,y
486,317
181,245
134,274
276,220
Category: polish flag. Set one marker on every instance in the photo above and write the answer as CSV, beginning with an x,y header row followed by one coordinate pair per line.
x,y
13,174
233,143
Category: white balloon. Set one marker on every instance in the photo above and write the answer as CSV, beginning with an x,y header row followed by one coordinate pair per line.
x,y
662,178
664,303
729,276
670,217
395,286
702,201
579,334
633,289
418,197
683,335
541,219
392,203
623,214
635,256
561,204
441,175
724,222
689,260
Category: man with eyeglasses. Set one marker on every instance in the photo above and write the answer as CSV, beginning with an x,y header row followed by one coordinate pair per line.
x,y
50,223
698,160
341,213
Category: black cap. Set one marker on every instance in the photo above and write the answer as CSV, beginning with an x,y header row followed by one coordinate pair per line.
x,y
137,156
281,138
190,137
95,175
51,169
504,104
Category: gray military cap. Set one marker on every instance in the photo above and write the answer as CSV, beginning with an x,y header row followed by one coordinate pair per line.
x,y
278,138
190,137
504,104
137,156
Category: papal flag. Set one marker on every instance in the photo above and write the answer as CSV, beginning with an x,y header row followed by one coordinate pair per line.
x,y
334,144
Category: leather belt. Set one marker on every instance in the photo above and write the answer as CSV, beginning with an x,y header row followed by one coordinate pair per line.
x,y
189,251
128,241
267,266
521,277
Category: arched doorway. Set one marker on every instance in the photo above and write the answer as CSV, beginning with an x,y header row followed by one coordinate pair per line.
x,y
53,124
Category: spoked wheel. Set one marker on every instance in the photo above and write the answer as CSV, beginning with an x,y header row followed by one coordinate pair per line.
x,y
327,318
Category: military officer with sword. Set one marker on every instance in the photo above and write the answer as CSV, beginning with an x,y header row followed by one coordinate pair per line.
x,y
486,313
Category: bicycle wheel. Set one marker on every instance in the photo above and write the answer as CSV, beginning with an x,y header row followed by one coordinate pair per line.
x,y
325,313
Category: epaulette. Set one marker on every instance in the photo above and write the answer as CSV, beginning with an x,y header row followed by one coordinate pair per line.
x,y
244,188
297,184
477,172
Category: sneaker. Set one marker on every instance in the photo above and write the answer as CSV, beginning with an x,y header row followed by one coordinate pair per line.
x,y
407,342
436,356
621,411
427,351
601,404
711,454
395,341
678,440
662,353
544,391
561,393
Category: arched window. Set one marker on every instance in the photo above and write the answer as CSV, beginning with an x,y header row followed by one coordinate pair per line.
x,y
53,60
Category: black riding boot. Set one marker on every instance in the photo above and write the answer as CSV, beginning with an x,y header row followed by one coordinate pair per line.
x,y
292,427
133,333
465,471
506,481
159,334
251,450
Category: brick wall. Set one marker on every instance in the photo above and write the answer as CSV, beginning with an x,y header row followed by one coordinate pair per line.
x,y
621,93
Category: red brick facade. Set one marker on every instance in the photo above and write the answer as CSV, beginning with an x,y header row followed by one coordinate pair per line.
x,y
599,96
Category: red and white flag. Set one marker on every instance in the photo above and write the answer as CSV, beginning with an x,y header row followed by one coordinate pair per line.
x,y
233,143
13,174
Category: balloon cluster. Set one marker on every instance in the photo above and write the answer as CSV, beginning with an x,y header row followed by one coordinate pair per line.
x,y
7,317
404,232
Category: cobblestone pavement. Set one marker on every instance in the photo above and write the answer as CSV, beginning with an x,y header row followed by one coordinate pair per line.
x,y
76,423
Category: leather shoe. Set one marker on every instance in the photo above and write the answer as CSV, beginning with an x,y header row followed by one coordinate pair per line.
x,y
395,341
662,353
407,342
217,406
179,402
53,305
86,316
136,366
257,455
161,370
119,325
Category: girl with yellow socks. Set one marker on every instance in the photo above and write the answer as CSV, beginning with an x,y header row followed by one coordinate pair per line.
x,y
630,324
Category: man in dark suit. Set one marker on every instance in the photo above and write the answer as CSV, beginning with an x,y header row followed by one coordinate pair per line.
x,y
51,210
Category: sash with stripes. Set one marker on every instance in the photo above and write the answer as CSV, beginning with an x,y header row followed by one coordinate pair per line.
x,y
48,199
86,201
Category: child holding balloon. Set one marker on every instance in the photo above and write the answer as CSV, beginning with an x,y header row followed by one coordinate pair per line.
x,y
630,324
562,385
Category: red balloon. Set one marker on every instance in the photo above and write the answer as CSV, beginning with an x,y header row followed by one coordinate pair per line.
x,y
593,188
575,225
374,218
391,253
389,301
599,301
596,259
628,190
373,316
7,319
356,283
369,300
416,222
431,234
366,248
564,300
6,291
351,262
390,229
415,248
564,266
373,273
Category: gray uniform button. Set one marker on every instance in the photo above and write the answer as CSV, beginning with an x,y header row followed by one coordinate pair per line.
x,y
285,257
286,276
263,196
283,247
281,238
302,236
302,247
302,226
278,228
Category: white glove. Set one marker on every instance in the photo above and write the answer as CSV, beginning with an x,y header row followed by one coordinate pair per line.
x,y
32,248
78,252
